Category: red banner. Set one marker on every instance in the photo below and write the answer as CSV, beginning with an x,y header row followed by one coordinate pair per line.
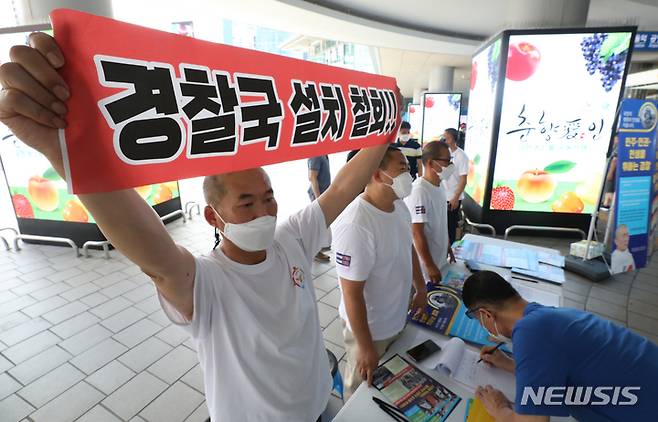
x,y
149,106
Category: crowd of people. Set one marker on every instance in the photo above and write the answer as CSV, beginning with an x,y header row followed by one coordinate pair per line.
x,y
250,306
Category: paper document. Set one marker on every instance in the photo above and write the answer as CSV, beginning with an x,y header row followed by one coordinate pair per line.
x,y
497,256
460,363
544,272
535,295
551,259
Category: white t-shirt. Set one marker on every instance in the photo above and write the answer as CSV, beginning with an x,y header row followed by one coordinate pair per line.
x,y
257,328
460,160
374,246
622,261
428,205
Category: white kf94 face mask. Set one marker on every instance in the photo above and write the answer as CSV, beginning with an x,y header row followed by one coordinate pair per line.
x,y
498,338
447,172
252,236
402,184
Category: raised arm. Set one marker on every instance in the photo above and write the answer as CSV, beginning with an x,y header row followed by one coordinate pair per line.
x,y
32,106
350,181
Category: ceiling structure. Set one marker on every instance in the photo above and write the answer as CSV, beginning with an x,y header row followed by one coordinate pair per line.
x,y
415,36
409,38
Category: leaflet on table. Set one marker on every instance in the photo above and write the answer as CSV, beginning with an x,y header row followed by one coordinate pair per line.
x,y
553,259
544,272
475,412
497,256
446,314
420,397
461,363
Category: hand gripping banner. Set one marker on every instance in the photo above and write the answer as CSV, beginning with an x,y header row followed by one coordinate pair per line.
x,y
148,106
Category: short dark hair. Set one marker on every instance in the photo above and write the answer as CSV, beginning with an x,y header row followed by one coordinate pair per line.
x,y
452,132
431,151
387,156
487,288
405,125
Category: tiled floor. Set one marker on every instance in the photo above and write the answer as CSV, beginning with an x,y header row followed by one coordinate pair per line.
x,y
85,339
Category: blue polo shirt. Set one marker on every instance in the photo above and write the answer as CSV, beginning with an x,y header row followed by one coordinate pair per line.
x,y
562,347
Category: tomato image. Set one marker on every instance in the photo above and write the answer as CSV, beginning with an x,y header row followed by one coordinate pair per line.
x,y
429,102
522,61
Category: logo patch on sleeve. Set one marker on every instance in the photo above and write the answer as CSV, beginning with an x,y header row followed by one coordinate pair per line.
x,y
420,209
342,259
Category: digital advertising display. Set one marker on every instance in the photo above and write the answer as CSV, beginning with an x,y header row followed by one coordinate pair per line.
x,y
440,112
485,69
415,116
561,92
37,191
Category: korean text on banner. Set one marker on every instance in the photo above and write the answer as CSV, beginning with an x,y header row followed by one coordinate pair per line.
x,y
149,106
633,177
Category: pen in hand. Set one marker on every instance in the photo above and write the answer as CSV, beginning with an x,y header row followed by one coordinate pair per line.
x,y
492,351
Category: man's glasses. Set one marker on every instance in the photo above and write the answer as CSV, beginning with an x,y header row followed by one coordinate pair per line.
x,y
443,163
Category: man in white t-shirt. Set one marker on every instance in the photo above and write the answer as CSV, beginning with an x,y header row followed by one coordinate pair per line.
x,y
249,305
621,259
429,211
376,264
455,184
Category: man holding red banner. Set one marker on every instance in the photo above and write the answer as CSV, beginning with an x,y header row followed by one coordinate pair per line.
x,y
247,304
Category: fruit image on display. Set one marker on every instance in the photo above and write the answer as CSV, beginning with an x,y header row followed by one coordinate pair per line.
x,y
606,53
162,194
522,61
535,186
22,206
502,198
75,211
429,102
144,191
474,74
43,193
568,202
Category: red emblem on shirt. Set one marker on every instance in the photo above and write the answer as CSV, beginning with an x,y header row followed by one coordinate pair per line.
x,y
297,275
